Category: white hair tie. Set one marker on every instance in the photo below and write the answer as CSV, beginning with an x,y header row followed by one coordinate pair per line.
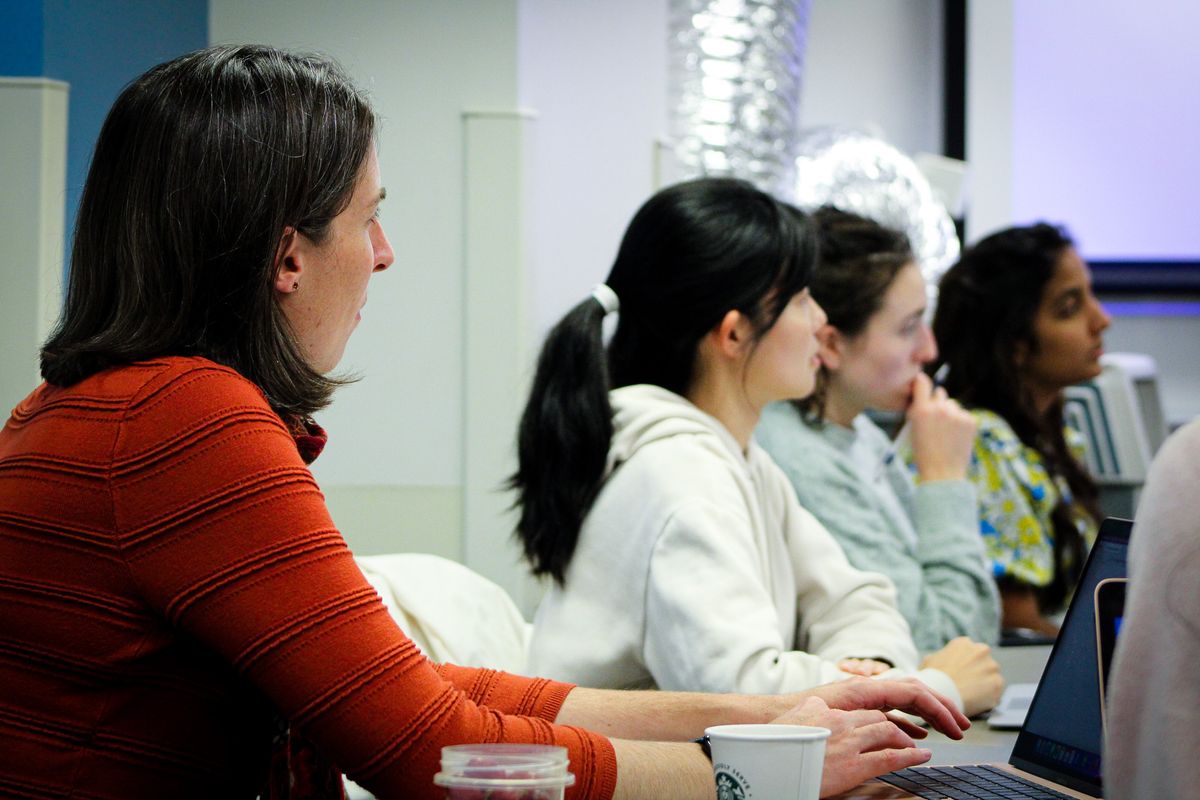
x,y
606,297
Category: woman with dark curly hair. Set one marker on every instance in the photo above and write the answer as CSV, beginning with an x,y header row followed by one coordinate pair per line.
x,y
1017,322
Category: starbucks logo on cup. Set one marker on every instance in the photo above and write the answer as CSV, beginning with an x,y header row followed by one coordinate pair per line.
x,y
730,786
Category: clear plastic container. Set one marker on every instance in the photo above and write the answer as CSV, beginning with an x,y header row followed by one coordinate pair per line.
x,y
504,772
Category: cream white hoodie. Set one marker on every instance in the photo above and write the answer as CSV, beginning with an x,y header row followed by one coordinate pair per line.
x,y
697,570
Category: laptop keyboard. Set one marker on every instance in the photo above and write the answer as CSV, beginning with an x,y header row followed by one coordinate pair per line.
x,y
968,783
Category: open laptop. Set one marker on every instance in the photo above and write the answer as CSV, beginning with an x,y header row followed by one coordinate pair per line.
x,y
1059,748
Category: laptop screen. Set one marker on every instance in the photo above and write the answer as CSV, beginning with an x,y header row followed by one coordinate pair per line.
x,y
1062,738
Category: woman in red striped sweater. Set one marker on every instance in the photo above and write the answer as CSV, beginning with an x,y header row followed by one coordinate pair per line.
x,y
181,618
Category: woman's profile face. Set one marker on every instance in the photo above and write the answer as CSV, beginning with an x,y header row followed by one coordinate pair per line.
x,y
784,364
324,309
876,367
1068,330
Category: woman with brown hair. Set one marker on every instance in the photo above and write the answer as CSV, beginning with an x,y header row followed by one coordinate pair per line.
x,y
921,531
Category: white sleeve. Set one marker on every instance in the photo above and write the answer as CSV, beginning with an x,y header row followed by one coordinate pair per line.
x,y
850,613
711,622
843,612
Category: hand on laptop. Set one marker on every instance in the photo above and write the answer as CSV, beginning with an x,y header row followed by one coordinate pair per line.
x,y
862,744
976,674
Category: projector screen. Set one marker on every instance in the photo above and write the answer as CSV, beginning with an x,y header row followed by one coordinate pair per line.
x,y
1106,133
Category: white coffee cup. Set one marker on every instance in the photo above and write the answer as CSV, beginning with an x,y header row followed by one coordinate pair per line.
x,y
767,762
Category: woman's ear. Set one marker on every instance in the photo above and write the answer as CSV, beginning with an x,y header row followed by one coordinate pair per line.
x,y
288,261
732,334
832,345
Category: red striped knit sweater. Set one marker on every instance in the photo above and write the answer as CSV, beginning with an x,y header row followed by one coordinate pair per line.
x,y
169,576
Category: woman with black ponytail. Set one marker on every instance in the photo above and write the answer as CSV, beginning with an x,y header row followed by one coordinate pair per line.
x,y
1017,323
679,555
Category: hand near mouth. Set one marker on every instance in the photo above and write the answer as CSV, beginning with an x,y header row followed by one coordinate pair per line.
x,y
943,433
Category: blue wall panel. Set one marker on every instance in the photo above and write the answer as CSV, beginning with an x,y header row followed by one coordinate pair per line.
x,y
99,46
21,38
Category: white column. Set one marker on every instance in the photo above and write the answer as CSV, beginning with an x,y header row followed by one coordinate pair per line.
x,y
989,116
33,168
497,363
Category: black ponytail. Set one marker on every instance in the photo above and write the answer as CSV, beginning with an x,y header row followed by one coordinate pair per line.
x,y
691,254
562,441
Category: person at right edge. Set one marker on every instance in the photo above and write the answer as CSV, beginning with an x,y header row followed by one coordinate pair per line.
x,y
1154,690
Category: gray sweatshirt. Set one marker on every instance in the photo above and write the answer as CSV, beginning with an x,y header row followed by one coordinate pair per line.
x,y
924,537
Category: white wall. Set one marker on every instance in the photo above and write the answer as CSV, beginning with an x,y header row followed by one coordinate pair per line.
x,y
872,63
596,74
393,468
1171,340
989,116
423,63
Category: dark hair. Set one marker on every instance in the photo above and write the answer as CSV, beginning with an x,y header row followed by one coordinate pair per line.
x,y
859,259
201,164
692,253
986,307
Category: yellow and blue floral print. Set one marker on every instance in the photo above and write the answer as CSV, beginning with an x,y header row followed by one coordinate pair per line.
x,y
1016,499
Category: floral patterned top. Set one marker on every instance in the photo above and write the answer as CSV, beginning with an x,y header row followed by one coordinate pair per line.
x,y
1016,499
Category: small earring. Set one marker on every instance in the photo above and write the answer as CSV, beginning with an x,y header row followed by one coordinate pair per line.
x,y
295,285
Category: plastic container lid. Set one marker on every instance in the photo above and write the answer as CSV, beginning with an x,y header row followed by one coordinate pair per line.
x,y
507,766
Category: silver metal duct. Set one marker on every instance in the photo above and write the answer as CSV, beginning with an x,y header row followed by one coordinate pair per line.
x,y
735,87
865,175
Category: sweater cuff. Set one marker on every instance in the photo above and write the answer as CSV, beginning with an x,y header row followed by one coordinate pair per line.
x,y
550,698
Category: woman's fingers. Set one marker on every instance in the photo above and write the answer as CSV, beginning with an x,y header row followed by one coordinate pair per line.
x,y
867,667
865,744
914,730
860,718
908,695
921,387
882,762
914,697
882,734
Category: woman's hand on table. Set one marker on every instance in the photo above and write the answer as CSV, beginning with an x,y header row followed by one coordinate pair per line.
x,y
976,674
866,667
